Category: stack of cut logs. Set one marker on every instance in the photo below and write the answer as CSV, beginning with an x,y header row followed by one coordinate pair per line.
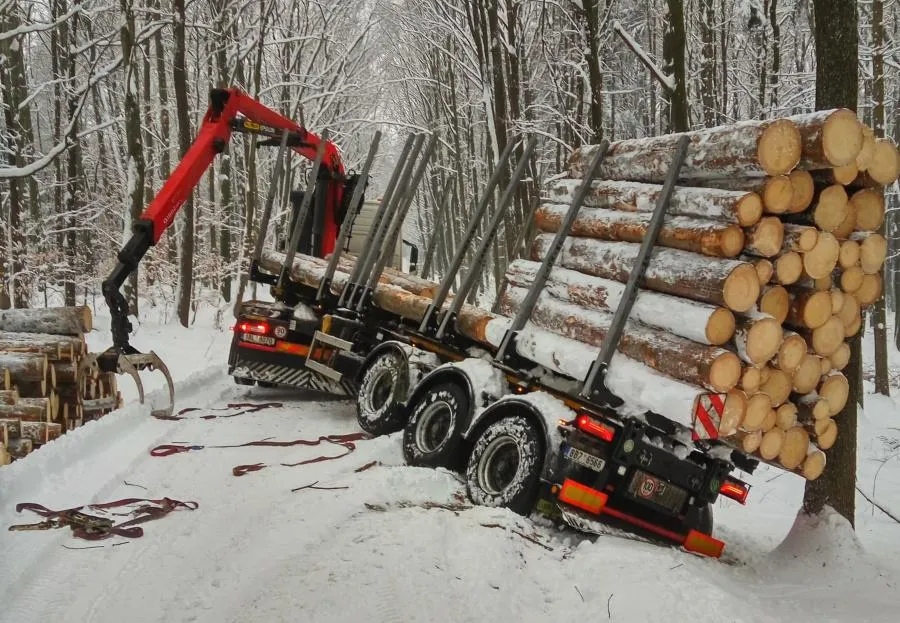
x,y
41,393
767,257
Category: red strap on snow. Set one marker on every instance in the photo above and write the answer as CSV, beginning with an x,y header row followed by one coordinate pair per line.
x,y
94,528
346,441
246,407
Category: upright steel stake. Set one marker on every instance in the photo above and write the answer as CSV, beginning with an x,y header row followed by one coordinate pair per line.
x,y
352,209
594,386
302,214
270,197
463,245
446,195
478,259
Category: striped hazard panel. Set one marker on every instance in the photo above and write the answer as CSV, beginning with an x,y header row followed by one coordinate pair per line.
x,y
708,410
292,377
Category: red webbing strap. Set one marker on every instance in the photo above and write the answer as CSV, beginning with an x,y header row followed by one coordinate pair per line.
x,y
246,407
94,528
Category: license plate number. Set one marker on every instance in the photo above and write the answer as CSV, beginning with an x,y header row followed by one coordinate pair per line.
x,y
584,459
258,339
646,487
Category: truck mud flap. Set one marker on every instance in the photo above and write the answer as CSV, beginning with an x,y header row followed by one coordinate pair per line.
x,y
291,376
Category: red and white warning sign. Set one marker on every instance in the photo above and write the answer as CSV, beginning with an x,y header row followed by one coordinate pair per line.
x,y
708,410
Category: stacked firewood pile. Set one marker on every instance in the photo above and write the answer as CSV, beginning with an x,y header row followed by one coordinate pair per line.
x,y
45,390
764,265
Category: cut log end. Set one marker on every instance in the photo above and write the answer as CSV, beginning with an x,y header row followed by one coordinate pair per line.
x,y
850,253
804,191
842,138
741,288
832,209
778,195
777,387
795,447
810,308
725,372
775,302
846,174
733,414
771,444
763,339
758,408
835,389
789,268
823,258
766,237
765,269
791,353
814,465
841,357
867,153
870,289
808,374
786,416
885,166
720,327
852,279
751,380
829,337
827,438
779,147
868,204
749,210
873,253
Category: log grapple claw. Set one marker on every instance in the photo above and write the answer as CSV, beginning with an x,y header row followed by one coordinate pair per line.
x,y
132,364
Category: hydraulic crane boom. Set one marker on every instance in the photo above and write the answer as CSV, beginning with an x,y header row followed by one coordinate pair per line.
x,y
230,110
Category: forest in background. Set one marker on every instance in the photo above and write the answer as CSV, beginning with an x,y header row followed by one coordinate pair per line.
x,y
100,99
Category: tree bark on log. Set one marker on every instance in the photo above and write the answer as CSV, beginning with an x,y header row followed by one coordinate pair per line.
x,y
766,237
707,366
742,208
699,322
830,138
24,367
799,238
726,283
26,412
776,193
53,320
809,308
711,238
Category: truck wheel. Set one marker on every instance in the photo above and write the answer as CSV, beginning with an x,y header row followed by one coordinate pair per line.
x,y
378,411
705,523
433,434
505,465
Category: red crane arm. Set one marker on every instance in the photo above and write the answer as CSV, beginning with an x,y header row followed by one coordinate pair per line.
x,y
214,134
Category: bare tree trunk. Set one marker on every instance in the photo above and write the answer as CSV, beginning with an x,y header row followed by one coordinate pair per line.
x,y
179,83
133,139
162,88
837,53
674,43
595,77
882,377
73,170
776,56
225,168
708,87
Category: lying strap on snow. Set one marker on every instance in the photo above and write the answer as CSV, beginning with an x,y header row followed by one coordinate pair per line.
x,y
345,441
246,407
95,528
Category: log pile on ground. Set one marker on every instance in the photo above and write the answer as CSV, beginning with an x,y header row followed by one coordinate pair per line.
x,y
43,390
769,254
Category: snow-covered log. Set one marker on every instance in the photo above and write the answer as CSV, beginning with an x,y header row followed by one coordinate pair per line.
x,y
699,322
742,208
707,366
799,238
706,237
54,320
745,149
776,193
24,367
722,282
830,138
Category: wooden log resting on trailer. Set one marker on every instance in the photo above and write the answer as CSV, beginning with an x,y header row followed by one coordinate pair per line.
x,y
52,320
712,238
726,283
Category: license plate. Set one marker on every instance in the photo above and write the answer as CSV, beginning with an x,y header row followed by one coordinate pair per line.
x,y
258,339
651,489
584,459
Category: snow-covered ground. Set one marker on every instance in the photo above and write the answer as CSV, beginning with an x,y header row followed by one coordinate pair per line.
x,y
395,543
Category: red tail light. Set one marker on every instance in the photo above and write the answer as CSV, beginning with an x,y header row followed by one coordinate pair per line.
x,y
735,490
592,427
260,328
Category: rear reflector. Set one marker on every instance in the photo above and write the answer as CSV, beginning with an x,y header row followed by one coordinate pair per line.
x,y
735,491
290,347
704,544
593,427
582,497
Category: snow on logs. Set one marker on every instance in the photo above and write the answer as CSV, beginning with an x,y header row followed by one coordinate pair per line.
x,y
819,179
41,393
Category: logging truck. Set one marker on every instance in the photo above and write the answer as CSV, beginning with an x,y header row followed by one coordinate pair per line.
x,y
690,288
466,396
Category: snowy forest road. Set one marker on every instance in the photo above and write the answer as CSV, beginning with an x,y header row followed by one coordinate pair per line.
x,y
389,543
